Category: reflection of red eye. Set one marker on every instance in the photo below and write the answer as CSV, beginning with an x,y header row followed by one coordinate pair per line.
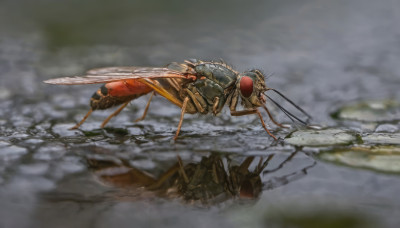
x,y
246,190
246,86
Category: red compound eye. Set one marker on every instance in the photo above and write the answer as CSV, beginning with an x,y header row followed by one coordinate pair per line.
x,y
246,86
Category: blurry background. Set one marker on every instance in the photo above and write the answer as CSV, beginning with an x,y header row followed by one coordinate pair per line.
x,y
322,54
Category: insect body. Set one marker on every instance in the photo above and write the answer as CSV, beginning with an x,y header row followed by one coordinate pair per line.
x,y
195,86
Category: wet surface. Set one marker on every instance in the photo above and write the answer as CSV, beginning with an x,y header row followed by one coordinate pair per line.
x,y
378,158
336,59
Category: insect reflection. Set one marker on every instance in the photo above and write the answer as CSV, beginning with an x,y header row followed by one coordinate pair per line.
x,y
213,180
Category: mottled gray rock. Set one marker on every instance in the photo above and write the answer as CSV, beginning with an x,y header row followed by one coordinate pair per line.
x,y
326,137
379,158
382,138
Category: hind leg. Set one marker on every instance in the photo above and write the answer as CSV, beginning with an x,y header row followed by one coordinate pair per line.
x,y
145,109
114,113
83,120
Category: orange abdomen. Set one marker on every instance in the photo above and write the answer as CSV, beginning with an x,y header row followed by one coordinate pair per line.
x,y
127,88
116,93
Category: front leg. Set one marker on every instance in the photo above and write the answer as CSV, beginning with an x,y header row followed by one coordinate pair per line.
x,y
234,99
243,112
265,127
249,112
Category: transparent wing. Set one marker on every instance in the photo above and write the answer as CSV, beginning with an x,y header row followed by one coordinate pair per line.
x,y
112,74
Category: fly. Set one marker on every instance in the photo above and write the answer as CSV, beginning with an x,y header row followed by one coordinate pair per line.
x,y
195,86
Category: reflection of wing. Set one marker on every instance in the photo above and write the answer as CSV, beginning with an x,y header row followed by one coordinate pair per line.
x,y
112,74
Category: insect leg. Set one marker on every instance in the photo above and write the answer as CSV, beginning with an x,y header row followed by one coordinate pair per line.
x,y
185,101
182,170
261,166
114,113
243,112
196,101
246,163
233,101
83,120
164,177
215,105
263,124
249,112
145,109
272,119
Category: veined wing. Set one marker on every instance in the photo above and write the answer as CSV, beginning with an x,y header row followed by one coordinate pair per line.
x,y
112,74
